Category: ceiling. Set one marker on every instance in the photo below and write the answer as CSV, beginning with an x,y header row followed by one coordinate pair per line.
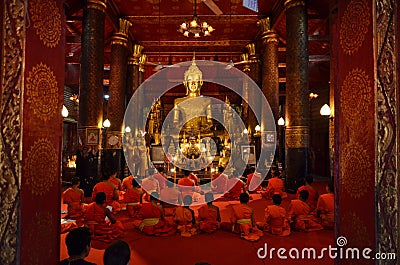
x,y
155,24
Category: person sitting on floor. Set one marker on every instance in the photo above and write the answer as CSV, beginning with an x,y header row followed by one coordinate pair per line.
x,y
242,220
236,186
275,186
109,189
312,192
188,187
161,177
127,183
170,197
253,185
326,207
219,181
209,216
150,184
300,216
118,253
275,219
105,230
185,219
78,246
74,198
152,221
133,198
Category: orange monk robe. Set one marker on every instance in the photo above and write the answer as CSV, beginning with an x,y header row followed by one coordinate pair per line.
x,y
116,182
209,218
132,198
237,187
74,198
104,231
219,183
111,194
152,222
127,183
161,180
242,220
171,196
194,178
300,215
312,195
149,186
187,187
275,186
253,182
185,220
326,210
275,221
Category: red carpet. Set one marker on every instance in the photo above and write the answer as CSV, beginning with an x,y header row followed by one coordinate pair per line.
x,y
221,248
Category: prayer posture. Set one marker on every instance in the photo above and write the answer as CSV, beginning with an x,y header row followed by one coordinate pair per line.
x,y
275,186
312,192
109,189
242,220
326,207
150,184
188,187
219,182
185,219
74,198
105,230
275,221
209,216
161,177
127,183
78,245
300,214
237,186
152,219
170,197
133,198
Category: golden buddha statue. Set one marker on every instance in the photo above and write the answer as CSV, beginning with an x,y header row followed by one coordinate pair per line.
x,y
192,113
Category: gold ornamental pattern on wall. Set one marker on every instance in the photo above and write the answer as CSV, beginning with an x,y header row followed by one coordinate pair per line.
x,y
354,26
356,94
355,170
355,230
42,92
41,166
46,18
41,228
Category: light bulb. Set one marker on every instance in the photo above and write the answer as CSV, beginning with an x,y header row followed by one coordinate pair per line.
x,y
64,112
127,129
325,110
257,128
281,121
106,123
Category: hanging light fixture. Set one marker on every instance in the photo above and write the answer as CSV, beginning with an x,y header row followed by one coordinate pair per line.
x,y
196,27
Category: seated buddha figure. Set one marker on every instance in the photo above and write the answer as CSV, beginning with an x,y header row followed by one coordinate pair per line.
x,y
192,112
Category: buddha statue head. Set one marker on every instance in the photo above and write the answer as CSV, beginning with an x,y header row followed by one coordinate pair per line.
x,y
193,80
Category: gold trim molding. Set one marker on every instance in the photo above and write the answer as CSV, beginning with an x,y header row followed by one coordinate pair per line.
x,y
100,5
137,53
293,3
142,61
297,137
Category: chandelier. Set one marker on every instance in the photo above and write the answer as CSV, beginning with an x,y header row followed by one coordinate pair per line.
x,y
196,27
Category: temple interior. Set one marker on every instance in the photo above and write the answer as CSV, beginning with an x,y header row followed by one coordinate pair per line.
x,y
300,94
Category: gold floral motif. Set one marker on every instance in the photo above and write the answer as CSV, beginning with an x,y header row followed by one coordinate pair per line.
x,y
46,18
42,227
354,25
41,166
297,137
42,92
355,169
356,95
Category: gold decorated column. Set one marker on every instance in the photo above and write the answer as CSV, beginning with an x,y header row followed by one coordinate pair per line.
x,y
142,61
133,72
297,104
270,79
91,93
245,91
254,74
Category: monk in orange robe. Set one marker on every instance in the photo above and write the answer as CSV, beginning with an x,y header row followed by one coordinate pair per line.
x,y
300,214
150,184
110,190
275,186
161,177
275,219
253,182
209,216
185,219
105,231
242,220
219,182
326,207
152,220
133,199
312,192
188,187
74,198
170,197
235,186
127,183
